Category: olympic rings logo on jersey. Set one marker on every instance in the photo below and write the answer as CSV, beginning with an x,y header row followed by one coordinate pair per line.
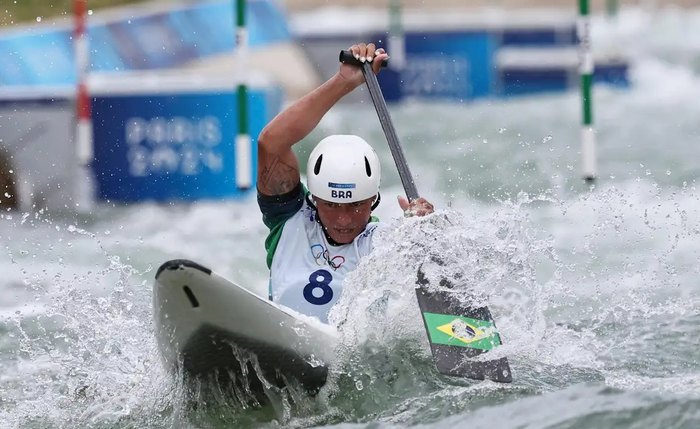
x,y
322,257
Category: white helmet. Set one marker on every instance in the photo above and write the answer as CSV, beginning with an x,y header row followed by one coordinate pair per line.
x,y
343,169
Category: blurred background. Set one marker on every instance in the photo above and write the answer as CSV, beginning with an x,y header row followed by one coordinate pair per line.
x,y
95,63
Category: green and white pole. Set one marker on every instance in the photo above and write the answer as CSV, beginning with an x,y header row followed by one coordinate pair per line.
x,y
612,7
244,146
586,67
396,45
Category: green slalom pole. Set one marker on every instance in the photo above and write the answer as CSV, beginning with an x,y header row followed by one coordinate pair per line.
x,y
612,8
244,149
586,67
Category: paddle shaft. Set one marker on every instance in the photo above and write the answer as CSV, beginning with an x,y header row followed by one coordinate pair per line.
x,y
375,93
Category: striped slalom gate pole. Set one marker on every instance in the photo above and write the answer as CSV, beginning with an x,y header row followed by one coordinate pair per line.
x,y
586,67
244,146
83,134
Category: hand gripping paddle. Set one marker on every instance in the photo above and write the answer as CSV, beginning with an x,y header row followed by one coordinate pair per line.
x,y
457,332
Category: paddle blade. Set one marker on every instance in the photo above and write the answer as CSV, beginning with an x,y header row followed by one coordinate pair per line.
x,y
458,333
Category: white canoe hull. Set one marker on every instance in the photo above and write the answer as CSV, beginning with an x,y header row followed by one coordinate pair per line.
x,y
208,326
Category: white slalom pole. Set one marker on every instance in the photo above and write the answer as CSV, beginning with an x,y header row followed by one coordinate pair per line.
x,y
396,43
586,68
83,131
244,145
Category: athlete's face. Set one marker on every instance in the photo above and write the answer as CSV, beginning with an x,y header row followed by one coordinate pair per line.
x,y
344,222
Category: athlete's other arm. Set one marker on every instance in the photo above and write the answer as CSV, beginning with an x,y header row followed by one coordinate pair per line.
x,y
278,167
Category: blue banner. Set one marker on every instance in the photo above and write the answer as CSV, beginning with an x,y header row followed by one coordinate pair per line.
x,y
37,59
453,65
45,56
173,146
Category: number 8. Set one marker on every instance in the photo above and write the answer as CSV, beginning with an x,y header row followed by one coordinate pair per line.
x,y
323,285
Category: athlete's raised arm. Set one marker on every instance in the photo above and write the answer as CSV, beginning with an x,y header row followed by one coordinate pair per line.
x,y
278,167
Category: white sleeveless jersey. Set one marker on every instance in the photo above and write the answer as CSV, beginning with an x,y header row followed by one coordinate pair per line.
x,y
307,273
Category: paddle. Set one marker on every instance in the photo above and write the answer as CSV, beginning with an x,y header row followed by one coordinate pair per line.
x,y
457,332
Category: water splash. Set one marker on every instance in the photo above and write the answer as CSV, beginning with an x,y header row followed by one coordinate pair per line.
x,y
87,357
498,261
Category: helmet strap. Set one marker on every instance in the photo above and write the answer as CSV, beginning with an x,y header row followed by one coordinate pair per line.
x,y
310,202
376,202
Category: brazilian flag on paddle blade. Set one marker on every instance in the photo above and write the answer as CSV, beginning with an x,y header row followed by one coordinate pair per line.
x,y
459,332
